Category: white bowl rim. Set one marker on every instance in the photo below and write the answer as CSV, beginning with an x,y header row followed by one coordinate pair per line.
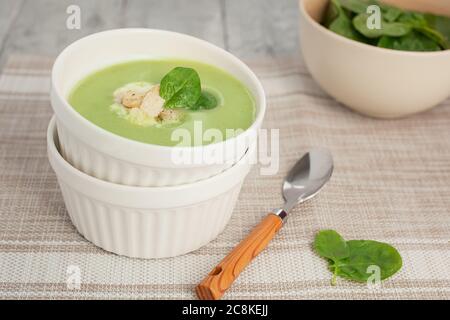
x,y
53,150
138,144
365,46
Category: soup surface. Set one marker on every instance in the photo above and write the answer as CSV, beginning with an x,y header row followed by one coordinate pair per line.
x,y
93,98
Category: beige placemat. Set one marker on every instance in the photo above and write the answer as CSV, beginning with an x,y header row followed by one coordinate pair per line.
x,y
391,183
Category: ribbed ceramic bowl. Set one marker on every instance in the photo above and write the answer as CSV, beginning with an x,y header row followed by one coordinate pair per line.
x,y
374,81
147,222
113,158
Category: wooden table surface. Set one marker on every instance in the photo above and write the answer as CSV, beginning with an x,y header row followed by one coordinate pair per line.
x,y
247,28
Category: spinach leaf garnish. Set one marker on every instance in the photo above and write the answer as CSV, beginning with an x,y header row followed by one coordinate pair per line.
x,y
206,101
352,259
181,88
400,29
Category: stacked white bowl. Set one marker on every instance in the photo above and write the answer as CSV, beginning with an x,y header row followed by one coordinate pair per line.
x,y
129,197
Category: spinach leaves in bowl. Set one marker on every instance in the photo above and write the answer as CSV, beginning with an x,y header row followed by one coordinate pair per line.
x,y
398,29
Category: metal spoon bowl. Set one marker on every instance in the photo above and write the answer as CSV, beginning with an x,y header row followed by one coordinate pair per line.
x,y
307,177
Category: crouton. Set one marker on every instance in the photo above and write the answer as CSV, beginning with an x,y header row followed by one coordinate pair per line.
x,y
171,115
152,104
132,99
140,88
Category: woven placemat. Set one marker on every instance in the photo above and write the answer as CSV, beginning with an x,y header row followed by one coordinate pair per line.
x,y
391,183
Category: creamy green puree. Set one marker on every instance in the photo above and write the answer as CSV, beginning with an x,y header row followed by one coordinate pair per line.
x,y
92,97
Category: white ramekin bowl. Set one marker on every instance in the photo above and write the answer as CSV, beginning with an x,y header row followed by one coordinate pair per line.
x,y
147,222
113,158
374,81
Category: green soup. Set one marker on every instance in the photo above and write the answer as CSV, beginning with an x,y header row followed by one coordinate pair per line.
x,y
93,98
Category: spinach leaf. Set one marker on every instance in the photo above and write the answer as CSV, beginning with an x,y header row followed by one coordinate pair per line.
x,y
180,88
366,253
390,14
414,41
329,244
434,35
393,29
331,13
357,6
420,23
414,19
440,24
206,101
351,259
415,31
343,25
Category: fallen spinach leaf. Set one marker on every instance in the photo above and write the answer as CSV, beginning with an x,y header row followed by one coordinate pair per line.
x,y
393,29
414,41
180,88
366,253
329,244
351,259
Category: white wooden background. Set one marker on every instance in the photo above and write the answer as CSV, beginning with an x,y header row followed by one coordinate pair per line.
x,y
247,28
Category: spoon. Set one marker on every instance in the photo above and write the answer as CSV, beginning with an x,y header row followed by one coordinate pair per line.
x,y
303,182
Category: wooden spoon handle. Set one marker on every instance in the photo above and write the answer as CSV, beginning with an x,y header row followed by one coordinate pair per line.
x,y
224,274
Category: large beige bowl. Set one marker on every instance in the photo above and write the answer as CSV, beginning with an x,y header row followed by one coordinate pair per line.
x,y
374,81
